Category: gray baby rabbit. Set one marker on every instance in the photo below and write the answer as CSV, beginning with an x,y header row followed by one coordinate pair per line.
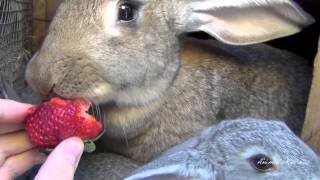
x,y
244,149
125,56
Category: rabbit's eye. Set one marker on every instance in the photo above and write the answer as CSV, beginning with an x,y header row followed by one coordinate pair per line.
x,y
261,163
127,12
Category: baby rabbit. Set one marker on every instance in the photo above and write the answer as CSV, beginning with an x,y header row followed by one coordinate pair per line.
x,y
125,56
240,149
244,149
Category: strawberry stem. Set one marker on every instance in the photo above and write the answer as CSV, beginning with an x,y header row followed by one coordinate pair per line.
x,y
89,146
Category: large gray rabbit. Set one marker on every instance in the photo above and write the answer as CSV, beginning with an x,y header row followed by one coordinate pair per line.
x,y
126,57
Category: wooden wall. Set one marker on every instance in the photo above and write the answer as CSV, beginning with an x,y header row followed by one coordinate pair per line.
x,y
43,11
311,131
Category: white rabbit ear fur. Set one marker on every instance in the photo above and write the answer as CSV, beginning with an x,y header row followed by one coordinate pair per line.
x,y
242,22
171,172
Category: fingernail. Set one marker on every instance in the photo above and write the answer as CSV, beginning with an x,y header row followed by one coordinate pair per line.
x,y
72,151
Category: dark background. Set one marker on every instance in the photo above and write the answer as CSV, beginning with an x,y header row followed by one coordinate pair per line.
x,y
304,43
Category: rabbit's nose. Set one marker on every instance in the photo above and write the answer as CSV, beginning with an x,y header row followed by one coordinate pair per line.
x,y
38,76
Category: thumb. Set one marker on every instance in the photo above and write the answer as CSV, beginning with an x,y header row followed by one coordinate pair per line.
x,y
62,161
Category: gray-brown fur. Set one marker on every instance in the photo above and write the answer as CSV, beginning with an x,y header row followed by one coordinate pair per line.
x,y
213,91
152,101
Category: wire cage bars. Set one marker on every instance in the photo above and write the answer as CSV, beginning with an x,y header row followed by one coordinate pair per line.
x,y
15,39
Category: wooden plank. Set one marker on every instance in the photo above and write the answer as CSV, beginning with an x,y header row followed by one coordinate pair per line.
x,y
311,129
39,30
43,11
39,9
51,7
39,16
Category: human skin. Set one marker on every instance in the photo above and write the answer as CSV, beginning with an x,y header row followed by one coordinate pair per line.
x,y
17,154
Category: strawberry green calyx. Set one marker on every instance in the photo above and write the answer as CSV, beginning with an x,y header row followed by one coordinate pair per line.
x,y
89,147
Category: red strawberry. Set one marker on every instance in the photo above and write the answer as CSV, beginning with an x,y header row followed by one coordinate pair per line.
x,y
51,122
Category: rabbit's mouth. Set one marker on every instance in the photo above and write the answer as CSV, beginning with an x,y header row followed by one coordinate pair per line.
x,y
95,91
94,109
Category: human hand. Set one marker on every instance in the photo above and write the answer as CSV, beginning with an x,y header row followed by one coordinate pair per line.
x,y
62,161
17,154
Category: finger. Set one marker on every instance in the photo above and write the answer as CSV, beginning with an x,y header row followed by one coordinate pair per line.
x,y
63,161
12,111
13,143
10,127
18,164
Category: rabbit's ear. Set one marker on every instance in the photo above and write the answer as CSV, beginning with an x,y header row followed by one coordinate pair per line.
x,y
242,22
173,172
